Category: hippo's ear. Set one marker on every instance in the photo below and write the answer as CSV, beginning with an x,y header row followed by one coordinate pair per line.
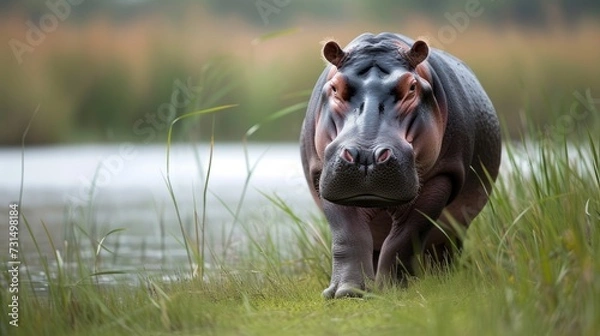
x,y
417,53
333,53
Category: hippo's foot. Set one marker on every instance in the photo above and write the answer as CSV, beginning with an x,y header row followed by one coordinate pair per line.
x,y
344,290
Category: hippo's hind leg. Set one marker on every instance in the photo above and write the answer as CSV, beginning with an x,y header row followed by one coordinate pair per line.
x,y
441,247
408,228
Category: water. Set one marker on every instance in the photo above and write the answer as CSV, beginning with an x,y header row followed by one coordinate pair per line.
x,y
96,188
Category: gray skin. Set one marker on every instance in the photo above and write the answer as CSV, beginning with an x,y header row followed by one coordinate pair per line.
x,y
396,135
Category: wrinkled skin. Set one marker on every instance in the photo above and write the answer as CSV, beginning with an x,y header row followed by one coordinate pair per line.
x,y
396,135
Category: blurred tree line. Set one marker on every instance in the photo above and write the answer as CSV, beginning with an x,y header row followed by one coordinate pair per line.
x,y
529,12
110,71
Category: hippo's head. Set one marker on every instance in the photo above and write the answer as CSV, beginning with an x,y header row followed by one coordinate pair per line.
x,y
380,128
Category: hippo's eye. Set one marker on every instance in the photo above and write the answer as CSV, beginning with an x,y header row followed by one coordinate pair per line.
x,y
334,89
412,88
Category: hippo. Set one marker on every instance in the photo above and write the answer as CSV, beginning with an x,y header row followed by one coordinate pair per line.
x,y
400,147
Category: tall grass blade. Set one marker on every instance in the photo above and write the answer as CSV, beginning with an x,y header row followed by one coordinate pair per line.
x,y
188,115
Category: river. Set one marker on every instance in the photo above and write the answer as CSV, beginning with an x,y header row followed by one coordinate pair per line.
x,y
88,190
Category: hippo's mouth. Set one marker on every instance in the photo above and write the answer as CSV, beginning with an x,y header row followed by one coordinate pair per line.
x,y
369,201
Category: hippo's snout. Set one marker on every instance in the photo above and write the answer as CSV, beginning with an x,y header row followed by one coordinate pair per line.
x,y
370,177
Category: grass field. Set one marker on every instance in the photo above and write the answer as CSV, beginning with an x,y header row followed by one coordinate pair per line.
x,y
530,266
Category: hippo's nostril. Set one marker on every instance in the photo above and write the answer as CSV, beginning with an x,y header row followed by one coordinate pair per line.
x,y
349,155
382,155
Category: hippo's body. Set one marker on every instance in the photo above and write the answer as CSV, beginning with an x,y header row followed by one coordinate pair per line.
x,y
396,136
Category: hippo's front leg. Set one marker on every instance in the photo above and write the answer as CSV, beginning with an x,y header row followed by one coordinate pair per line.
x,y
352,250
408,227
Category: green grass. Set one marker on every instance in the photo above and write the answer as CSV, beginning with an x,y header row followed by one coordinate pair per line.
x,y
530,266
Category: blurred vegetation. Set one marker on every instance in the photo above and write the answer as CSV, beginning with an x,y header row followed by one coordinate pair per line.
x,y
110,70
